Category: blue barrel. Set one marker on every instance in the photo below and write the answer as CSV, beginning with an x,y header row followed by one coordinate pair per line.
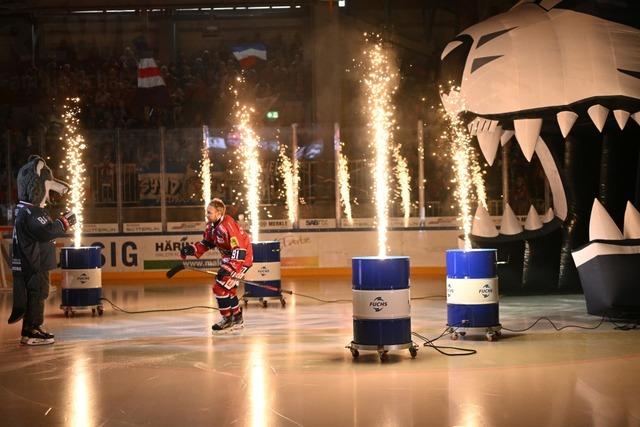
x,y
381,301
81,276
265,270
472,288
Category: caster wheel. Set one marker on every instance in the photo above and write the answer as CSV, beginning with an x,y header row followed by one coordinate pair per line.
x,y
66,313
100,311
264,303
384,356
93,312
498,333
354,353
283,302
413,351
462,333
454,336
491,336
245,301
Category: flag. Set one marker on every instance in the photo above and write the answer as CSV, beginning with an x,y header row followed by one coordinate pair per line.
x,y
248,54
151,87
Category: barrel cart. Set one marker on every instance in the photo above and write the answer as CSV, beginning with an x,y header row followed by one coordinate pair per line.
x,y
472,293
81,280
381,306
266,272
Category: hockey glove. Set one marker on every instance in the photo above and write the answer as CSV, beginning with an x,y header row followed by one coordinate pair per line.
x,y
187,250
68,220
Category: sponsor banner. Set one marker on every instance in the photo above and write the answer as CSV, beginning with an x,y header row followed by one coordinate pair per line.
x,y
300,261
318,223
263,271
358,223
400,222
441,221
472,291
149,186
329,249
82,279
199,264
274,224
110,228
186,226
393,304
142,227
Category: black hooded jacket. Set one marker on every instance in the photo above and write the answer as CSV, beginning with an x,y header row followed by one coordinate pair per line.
x,y
33,239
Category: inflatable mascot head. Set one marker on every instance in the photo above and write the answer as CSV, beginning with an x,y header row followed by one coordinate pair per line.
x,y
549,72
35,180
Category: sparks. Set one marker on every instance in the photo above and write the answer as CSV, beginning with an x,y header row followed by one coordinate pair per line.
x,y
462,154
380,84
404,182
205,170
250,161
289,174
343,183
74,165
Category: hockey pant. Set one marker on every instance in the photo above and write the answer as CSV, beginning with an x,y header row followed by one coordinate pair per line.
x,y
226,291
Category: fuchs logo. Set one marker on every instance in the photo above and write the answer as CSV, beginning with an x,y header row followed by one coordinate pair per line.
x,y
449,290
485,291
378,304
83,278
263,270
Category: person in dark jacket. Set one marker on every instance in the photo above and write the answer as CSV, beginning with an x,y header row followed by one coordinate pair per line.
x,y
34,248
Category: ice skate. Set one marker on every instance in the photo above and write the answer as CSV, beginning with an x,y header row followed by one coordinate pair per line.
x,y
238,321
36,336
225,324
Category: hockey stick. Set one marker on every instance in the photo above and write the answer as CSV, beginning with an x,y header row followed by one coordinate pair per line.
x,y
181,266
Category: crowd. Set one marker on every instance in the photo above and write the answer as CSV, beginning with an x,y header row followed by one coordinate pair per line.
x,y
198,93
197,85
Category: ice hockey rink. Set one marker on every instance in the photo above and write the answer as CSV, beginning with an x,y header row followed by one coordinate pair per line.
x,y
289,366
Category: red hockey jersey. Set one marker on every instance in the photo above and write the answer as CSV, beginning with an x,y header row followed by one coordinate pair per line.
x,y
230,239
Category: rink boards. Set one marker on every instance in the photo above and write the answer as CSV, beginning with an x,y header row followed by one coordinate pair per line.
x,y
144,252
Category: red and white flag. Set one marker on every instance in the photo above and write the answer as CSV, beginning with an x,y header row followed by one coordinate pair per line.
x,y
249,54
151,87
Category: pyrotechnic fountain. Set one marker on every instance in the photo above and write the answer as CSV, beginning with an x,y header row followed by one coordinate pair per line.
x,y
289,173
381,300
404,182
266,254
343,191
472,282
81,272
205,169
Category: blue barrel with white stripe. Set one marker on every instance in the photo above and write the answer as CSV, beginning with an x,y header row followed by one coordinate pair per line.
x,y
472,288
81,276
381,301
265,270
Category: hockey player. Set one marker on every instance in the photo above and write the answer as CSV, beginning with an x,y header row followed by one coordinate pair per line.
x,y
234,245
34,248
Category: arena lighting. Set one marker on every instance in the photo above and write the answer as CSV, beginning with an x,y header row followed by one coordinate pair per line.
x,y
258,7
223,8
120,10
